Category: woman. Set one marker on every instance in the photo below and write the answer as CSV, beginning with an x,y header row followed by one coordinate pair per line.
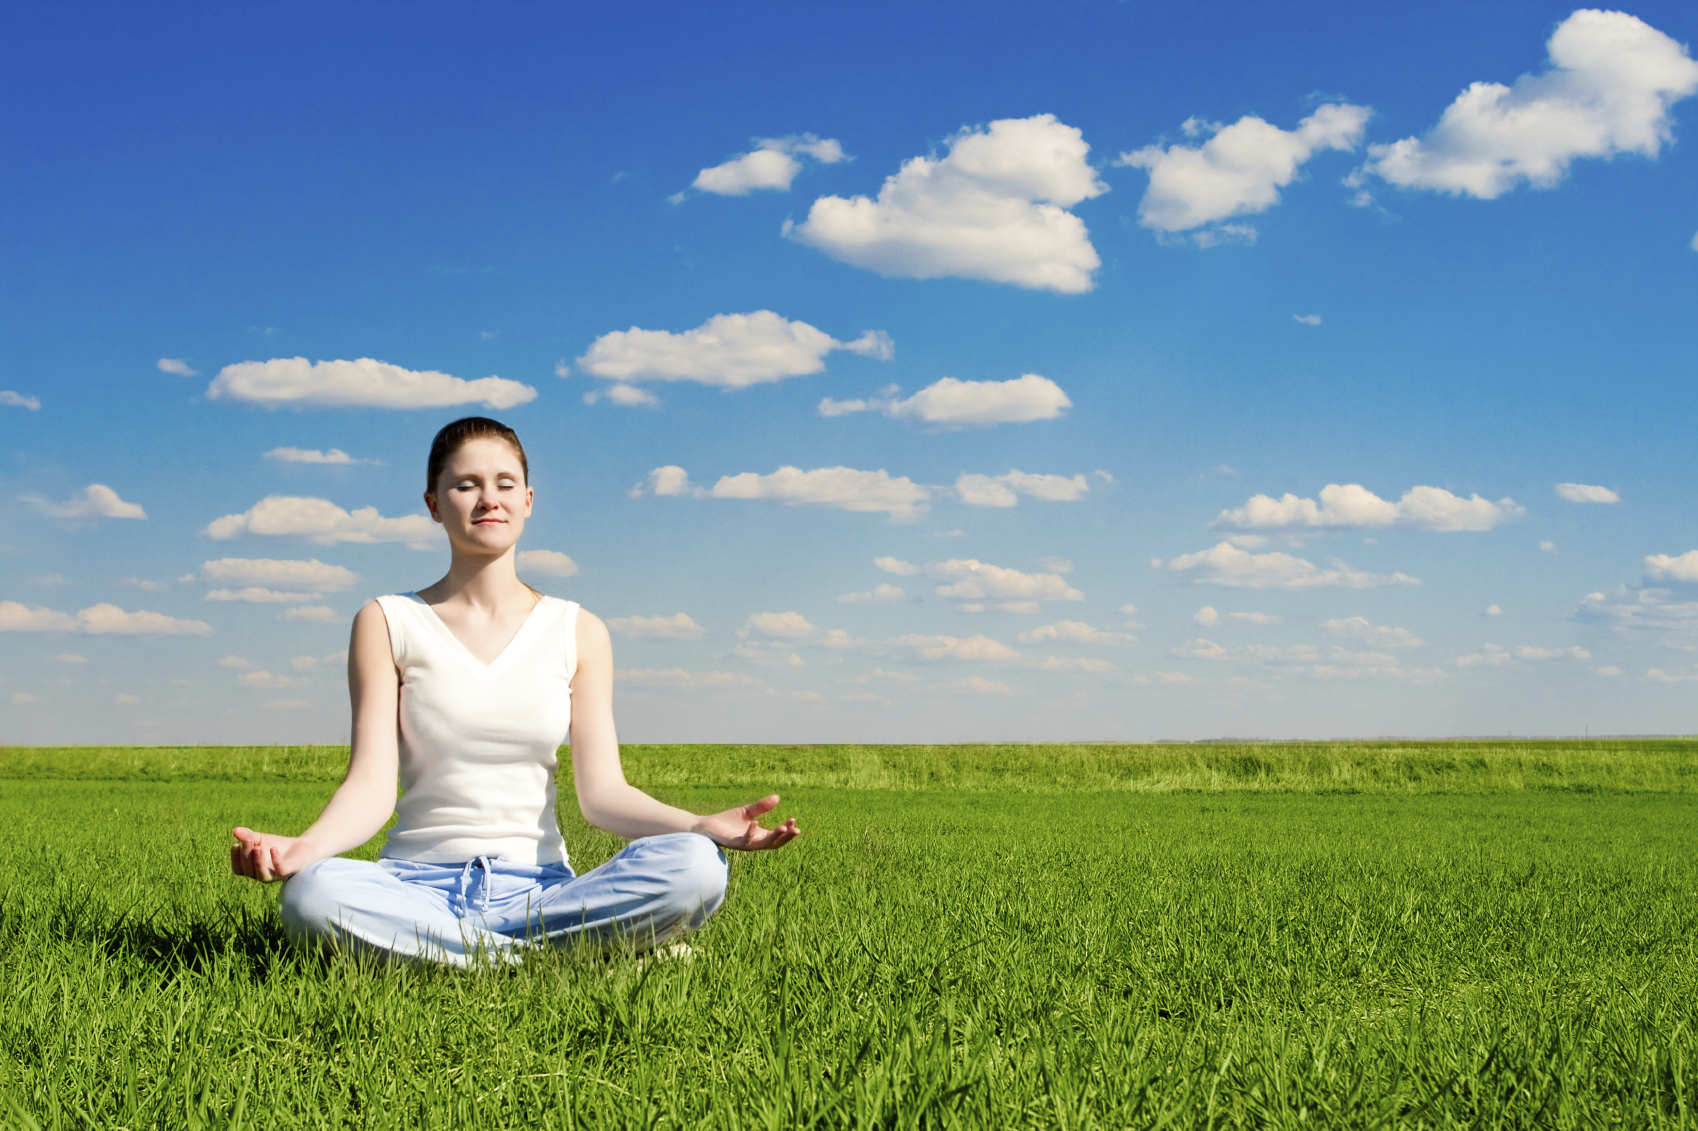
x,y
463,693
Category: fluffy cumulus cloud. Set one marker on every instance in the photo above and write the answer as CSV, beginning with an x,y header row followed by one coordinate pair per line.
x,y
1226,564
271,579
312,455
177,366
678,626
950,403
547,563
1075,632
1239,170
1004,490
1663,604
1378,635
314,614
94,501
1672,569
772,164
294,382
16,399
1493,656
1208,616
839,488
879,595
323,522
1425,508
779,626
995,208
728,351
97,620
897,566
1585,493
979,647
1611,83
973,581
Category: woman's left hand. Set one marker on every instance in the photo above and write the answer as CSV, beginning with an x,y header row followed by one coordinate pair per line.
x,y
741,829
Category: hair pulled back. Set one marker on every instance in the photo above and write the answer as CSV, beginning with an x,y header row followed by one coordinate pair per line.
x,y
458,434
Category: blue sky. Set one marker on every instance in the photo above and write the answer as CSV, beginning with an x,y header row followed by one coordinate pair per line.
x,y
1046,310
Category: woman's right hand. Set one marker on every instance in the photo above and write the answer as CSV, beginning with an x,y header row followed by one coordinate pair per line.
x,y
266,856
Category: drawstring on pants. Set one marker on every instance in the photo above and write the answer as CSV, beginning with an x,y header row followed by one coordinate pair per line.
x,y
466,879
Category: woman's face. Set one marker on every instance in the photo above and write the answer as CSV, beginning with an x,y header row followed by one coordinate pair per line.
x,y
481,498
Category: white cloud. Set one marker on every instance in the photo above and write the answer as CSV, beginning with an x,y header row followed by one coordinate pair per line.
x,y
879,675
781,626
1611,83
314,614
678,626
1548,547
728,351
1226,564
95,501
71,658
1237,171
307,663
1206,616
125,699
840,488
1583,493
967,579
1680,569
265,681
952,403
1054,563
309,577
1426,508
1127,610
177,366
1377,635
255,595
978,647
22,697
312,455
1494,611
1076,632
1075,664
993,208
323,522
679,678
1308,319
363,383
897,566
1493,656
625,396
979,685
547,563
771,165
238,662
19,400
97,620
1002,490
880,595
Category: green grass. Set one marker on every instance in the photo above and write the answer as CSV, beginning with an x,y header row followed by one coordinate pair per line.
x,y
1395,935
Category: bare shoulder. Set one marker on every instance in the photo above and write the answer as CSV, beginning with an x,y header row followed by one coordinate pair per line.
x,y
591,629
370,636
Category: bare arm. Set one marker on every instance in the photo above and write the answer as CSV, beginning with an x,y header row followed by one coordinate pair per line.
x,y
606,799
366,797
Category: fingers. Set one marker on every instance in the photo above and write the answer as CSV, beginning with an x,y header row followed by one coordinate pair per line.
x,y
755,809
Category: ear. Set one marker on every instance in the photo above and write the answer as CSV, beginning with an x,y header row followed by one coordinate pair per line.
x,y
430,505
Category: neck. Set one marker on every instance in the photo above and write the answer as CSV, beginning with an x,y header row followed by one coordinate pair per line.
x,y
483,582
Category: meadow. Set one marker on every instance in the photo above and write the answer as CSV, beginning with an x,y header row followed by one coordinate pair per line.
x,y
1331,934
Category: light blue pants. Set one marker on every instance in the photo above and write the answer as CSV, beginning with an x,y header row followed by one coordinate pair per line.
x,y
656,889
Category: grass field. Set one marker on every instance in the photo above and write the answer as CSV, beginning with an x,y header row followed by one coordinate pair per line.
x,y
1362,935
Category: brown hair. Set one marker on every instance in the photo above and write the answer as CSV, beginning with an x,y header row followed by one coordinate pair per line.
x,y
461,432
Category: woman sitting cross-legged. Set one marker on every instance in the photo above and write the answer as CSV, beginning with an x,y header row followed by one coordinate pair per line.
x,y
462,693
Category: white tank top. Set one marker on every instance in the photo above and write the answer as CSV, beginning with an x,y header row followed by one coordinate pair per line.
x,y
479,744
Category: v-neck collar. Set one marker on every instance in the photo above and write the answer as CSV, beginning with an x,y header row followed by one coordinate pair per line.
x,y
460,644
